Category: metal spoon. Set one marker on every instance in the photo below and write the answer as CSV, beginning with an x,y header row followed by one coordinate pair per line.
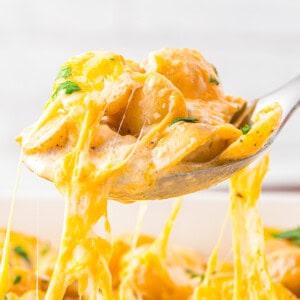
x,y
199,178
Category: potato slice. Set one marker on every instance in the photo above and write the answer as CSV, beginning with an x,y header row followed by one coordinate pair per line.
x,y
265,123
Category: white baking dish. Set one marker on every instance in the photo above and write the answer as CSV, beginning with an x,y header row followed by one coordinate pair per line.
x,y
198,224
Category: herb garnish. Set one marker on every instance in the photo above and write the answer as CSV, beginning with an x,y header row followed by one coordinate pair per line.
x,y
17,279
214,80
184,119
292,235
5,297
69,87
111,58
21,252
215,69
45,250
245,129
64,72
195,275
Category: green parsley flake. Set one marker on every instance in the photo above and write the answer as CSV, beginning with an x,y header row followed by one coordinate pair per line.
x,y
245,129
21,252
215,70
214,80
292,235
17,279
195,275
111,58
184,119
45,250
65,72
5,297
69,87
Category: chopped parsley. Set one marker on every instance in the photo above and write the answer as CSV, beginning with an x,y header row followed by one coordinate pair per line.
x,y
245,129
69,87
215,70
111,58
65,72
5,297
214,80
292,235
45,250
17,279
195,275
21,252
184,119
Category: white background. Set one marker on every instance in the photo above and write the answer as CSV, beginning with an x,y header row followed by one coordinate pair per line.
x,y
255,45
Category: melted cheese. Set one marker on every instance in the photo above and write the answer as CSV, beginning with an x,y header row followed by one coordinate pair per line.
x,y
106,129
5,276
251,278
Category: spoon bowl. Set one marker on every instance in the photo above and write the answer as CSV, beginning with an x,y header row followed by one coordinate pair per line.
x,y
188,177
178,184
202,176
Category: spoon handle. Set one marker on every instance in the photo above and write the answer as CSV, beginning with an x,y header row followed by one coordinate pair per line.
x,y
288,96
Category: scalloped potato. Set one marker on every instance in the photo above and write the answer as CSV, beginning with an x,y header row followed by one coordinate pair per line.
x,y
110,119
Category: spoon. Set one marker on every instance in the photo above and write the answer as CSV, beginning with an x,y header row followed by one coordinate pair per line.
x,y
199,178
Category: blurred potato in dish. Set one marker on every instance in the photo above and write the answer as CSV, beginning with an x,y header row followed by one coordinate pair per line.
x,y
283,258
